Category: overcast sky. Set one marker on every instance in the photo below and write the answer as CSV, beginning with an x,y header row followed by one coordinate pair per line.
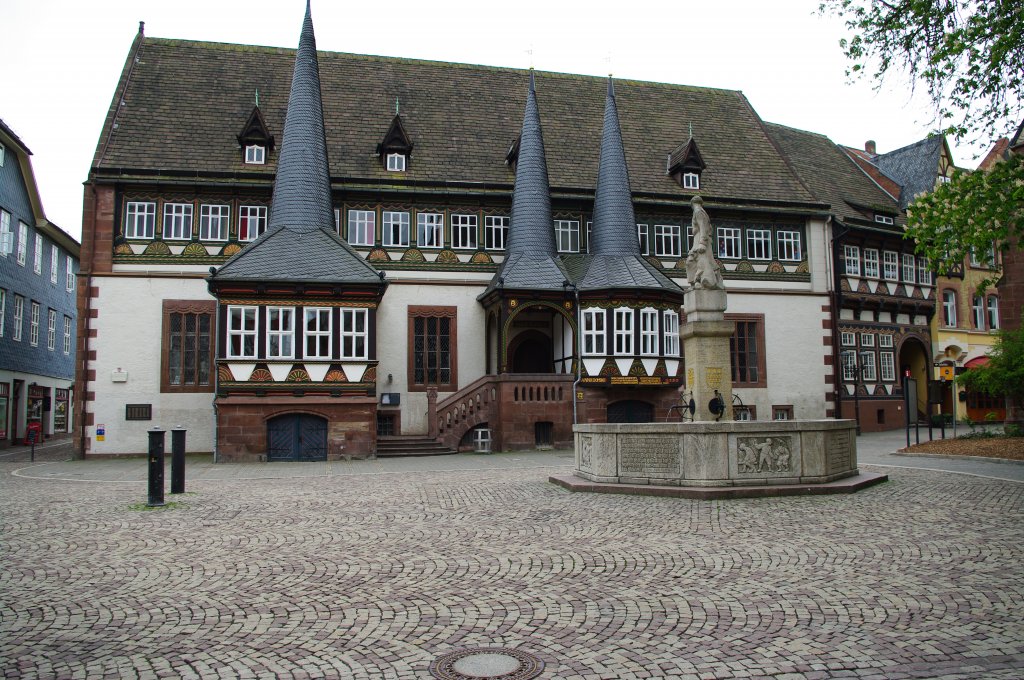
x,y
62,59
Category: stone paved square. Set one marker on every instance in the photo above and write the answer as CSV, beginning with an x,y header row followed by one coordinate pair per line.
x,y
375,575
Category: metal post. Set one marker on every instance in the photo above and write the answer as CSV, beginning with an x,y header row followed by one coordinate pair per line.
x,y
156,467
178,460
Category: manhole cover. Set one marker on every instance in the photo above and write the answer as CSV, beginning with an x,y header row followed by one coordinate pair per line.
x,y
493,663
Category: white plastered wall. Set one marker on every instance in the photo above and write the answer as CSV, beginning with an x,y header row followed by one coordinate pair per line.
x,y
129,327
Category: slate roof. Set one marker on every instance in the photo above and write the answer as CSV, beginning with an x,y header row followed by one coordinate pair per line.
x,y
831,175
185,101
300,244
607,272
614,231
915,167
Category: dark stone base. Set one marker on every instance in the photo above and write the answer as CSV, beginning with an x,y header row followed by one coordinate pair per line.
x,y
852,484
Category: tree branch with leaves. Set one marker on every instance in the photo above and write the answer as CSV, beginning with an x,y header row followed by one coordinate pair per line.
x,y
968,54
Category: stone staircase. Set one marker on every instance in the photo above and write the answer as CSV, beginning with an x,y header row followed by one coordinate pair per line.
x,y
411,445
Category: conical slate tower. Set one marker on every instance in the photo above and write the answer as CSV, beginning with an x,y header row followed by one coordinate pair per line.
x,y
300,243
530,253
615,260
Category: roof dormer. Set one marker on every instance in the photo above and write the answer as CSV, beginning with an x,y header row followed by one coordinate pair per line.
x,y
685,165
512,155
396,147
255,139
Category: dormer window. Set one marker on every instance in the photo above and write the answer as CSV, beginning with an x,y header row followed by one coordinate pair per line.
x,y
883,219
255,154
396,162
685,165
691,180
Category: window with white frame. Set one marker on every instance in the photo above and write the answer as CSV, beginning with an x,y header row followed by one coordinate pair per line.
x,y
624,331
396,162
867,339
851,260
242,331
642,237
993,312
280,332
871,263
252,221
214,222
139,219
890,265
666,240
3,155
848,339
495,232
909,267
689,238
37,261
849,365
867,367
567,236
671,334
67,335
33,325
649,331
789,245
884,340
464,231
6,234
691,180
924,271
22,242
3,310
395,228
729,242
51,330
69,284
354,333
430,230
978,312
759,244
19,317
178,221
337,221
949,308
255,154
361,227
887,362
54,263
589,233
593,331
883,219
317,326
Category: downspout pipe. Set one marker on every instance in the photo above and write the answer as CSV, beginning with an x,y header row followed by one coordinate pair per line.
x,y
579,353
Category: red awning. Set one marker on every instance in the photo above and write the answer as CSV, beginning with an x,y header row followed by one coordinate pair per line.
x,y
976,362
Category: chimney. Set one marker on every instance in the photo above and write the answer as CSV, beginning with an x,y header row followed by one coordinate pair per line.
x,y
869,146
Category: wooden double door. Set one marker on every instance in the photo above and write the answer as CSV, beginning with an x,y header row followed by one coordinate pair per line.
x,y
296,437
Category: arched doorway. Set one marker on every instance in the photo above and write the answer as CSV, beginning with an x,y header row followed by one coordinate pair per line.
x,y
296,437
630,411
531,353
914,363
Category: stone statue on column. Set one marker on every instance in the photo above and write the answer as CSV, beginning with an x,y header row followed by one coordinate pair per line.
x,y
702,270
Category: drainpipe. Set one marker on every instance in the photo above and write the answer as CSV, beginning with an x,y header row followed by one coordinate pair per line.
x,y
216,369
579,353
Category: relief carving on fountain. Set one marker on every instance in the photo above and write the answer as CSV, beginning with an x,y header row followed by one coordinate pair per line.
x,y
764,454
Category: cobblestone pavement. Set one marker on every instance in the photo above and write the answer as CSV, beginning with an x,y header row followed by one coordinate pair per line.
x,y
375,575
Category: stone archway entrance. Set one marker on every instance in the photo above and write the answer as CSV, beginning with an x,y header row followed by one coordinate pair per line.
x,y
914,360
531,353
296,437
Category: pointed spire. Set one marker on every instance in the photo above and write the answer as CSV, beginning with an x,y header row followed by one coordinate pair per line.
x,y
302,188
614,221
531,230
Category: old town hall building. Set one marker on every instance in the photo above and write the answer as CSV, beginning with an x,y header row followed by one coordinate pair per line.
x,y
324,255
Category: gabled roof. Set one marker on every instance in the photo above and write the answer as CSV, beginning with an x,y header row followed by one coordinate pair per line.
x,y
256,130
396,139
614,231
832,175
915,167
686,158
453,142
865,161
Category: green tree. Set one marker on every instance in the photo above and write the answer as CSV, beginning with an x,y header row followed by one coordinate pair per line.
x,y
973,212
969,54
1003,375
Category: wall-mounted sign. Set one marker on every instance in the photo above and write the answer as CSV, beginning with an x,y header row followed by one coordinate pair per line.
x,y
101,432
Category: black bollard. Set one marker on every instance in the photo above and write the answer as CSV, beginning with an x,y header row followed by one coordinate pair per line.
x,y
178,460
156,467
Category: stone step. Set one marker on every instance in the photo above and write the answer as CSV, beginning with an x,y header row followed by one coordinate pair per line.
x,y
392,447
